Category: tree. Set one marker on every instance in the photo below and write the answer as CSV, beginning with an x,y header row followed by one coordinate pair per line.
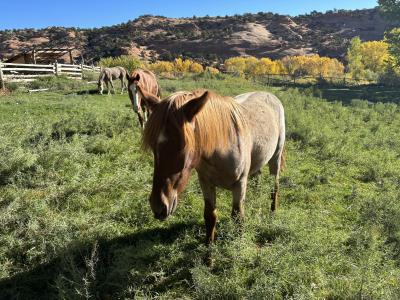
x,y
354,59
392,37
390,9
375,56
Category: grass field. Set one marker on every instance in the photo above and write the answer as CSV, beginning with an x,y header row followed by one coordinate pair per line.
x,y
75,221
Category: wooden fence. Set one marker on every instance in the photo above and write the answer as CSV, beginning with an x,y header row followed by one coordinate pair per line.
x,y
10,72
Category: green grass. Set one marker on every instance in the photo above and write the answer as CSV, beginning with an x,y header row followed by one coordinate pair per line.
x,y
75,221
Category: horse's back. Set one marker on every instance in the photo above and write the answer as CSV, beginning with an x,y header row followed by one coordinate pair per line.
x,y
265,116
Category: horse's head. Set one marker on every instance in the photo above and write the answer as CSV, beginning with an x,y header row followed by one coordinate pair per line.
x,y
134,95
170,135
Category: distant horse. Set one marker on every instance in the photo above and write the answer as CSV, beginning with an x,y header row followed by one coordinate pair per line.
x,y
107,75
148,82
226,140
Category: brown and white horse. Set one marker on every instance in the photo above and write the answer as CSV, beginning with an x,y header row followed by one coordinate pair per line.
x,y
226,140
148,82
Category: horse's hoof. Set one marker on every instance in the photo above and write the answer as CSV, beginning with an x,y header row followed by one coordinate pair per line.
x,y
209,261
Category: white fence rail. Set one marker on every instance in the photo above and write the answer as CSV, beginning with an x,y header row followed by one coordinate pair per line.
x,y
28,72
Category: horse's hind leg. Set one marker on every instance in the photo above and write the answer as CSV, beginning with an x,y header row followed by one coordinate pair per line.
x,y
108,87
101,88
275,165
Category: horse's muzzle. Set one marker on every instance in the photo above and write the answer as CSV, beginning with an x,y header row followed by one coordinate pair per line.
x,y
167,211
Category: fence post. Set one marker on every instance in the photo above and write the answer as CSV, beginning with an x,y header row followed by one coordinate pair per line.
x,y
2,77
56,68
81,70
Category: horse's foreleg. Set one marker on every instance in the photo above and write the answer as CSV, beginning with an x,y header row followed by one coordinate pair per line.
x,y
239,194
210,211
140,117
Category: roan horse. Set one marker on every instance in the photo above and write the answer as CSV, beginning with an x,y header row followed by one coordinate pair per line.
x,y
226,140
107,75
149,83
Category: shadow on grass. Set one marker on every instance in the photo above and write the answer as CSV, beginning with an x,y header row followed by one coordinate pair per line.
x,y
89,92
120,262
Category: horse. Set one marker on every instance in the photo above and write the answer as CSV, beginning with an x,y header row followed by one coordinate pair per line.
x,y
107,75
225,140
149,83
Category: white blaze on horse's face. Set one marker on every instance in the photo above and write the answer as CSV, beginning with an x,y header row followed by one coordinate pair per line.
x,y
135,96
162,137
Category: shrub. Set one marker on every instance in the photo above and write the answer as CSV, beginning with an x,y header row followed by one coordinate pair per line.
x,y
128,62
196,68
212,71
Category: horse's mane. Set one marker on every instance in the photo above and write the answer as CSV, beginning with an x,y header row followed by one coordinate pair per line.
x,y
217,125
139,70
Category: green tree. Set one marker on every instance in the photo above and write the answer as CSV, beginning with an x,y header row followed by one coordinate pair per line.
x,y
392,37
354,59
390,9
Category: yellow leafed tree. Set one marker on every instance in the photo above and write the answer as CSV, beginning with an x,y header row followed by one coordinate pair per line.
x,y
375,56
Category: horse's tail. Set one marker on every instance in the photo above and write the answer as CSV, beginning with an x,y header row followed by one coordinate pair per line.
x,y
283,159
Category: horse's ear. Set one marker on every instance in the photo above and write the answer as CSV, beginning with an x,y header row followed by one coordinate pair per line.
x,y
137,77
194,106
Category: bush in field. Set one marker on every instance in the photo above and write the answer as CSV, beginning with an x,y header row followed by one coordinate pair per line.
x,y
178,66
196,68
182,66
162,67
128,62
212,71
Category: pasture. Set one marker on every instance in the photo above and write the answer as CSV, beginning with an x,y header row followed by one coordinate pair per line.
x,y
75,221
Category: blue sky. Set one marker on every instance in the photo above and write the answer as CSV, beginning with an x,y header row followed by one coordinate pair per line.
x,y
91,13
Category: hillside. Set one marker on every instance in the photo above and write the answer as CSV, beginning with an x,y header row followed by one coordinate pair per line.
x,y
209,38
